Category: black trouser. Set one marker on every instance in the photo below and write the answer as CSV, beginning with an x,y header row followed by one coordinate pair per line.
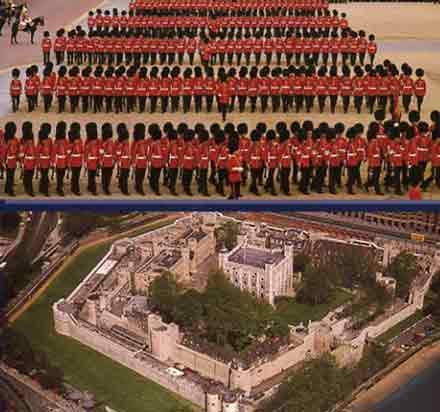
x,y
106,179
406,101
32,102
222,176
253,103
187,180
285,182
299,102
139,180
325,58
333,102
287,102
305,179
97,103
309,103
172,179
91,181
371,100
213,173
10,177
61,172
223,109
119,104
422,170
108,104
74,180
382,102
15,103
269,186
351,171
357,178
44,181
28,176
61,104
276,100
372,59
257,58
153,104
358,103
175,103
333,178
154,179
124,174
203,181
397,179
198,103
362,58
235,191
130,103
46,58
318,180
253,188
268,58
186,103
59,56
414,175
241,103
334,58
264,103
321,102
419,102
74,102
374,179
85,103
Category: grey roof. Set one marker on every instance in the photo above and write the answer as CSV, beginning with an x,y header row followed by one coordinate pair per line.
x,y
166,258
255,257
197,235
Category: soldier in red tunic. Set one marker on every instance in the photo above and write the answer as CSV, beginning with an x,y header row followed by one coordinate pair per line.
x,y
60,156
397,153
189,161
139,157
107,157
47,89
31,90
407,87
59,47
203,162
435,161
221,165
46,46
223,96
371,48
285,161
156,158
61,89
420,88
351,160
28,156
272,160
235,169
374,156
75,153
334,161
123,157
15,89
44,157
91,157
11,156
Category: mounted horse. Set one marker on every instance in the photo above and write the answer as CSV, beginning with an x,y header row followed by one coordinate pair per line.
x,y
30,27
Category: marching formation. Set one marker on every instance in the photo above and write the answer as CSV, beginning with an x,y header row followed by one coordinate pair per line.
x,y
393,156
292,89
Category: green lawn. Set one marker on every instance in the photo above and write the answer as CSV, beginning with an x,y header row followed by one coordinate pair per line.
x,y
294,312
112,383
395,330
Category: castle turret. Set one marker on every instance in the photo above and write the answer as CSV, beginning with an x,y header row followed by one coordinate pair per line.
x,y
230,403
213,401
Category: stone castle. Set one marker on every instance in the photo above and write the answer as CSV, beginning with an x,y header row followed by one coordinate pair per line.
x,y
109,310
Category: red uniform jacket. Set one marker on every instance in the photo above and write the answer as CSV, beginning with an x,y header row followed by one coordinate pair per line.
x,y
60,153
109,154
12,153
234,168
44,152
15,87
374,154
91,155
29,155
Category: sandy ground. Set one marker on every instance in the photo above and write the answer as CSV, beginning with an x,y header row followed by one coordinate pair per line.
x,y
397,378
405,32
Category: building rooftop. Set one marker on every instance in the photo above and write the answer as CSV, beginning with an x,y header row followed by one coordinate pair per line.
x,y
197,235
166,258
255,257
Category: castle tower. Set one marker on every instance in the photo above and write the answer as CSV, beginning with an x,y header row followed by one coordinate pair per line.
x,y
230,403
213,401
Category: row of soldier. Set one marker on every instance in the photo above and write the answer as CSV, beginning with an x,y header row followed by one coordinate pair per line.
x,y
396,155
115,46
273,8
288,89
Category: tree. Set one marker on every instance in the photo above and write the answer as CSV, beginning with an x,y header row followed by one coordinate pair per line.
x,y
163,293
226,235
52,378
317,286
404,268
189,309
300,262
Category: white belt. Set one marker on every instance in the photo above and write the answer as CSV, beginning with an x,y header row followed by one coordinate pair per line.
x,y
376,155
286,157
157,157
11,157
108,155
125,157
76,155
140,157
173,157
204,157
92,158
29,157
61,156
188,158
351,155
44,157
421,149
412,155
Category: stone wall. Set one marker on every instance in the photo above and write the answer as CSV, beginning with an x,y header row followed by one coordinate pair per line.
x,y
149,368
